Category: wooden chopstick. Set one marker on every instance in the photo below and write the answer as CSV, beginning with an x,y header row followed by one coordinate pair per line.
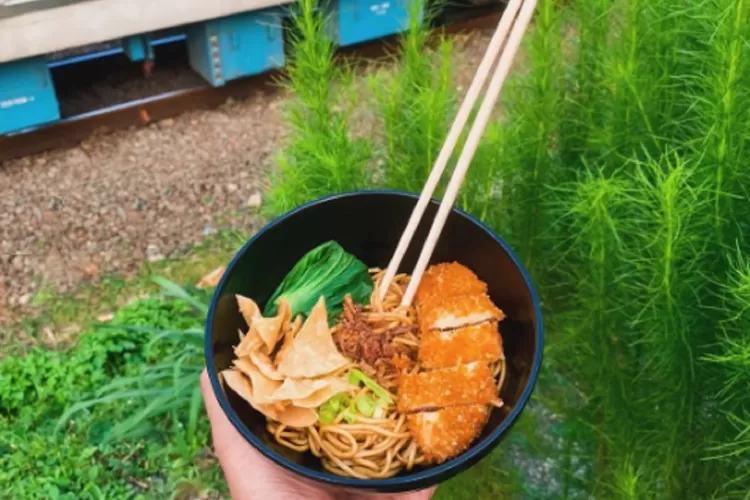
x,y
480,77
467,154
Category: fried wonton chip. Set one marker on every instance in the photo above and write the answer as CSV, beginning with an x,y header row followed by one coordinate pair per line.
x,y
283,412
262,387
310,393
293,416
286,344
295,327
240,384
252,340
270,330
265,365
293,389
320,396
311,353
249,344
249,309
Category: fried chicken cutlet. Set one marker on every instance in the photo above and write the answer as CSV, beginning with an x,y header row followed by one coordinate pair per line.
x,y
447,313
467,384
442,434
441,349
449,402
448,279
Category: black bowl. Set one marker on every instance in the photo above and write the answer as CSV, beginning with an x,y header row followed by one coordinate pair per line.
x,y
368,224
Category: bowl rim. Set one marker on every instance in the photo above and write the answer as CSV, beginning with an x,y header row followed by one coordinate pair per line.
x,y
427,476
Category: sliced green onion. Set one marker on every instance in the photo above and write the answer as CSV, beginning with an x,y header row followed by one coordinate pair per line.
x,y
366,405
340,401
327,415
379,411
356,377
349,415
328,411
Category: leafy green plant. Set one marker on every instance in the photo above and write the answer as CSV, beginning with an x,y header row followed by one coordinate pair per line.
x,y
82,460
41,383
320,156
415,99
734,361
625,192
167,386
329,271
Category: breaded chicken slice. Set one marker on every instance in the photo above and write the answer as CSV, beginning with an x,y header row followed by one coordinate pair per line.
x,y
443,434
447,313
459,385
448,279
441,349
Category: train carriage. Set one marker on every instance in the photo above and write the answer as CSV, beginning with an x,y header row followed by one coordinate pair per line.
x,y
225,40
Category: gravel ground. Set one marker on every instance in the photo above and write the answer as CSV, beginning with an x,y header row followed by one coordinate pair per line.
x,y
122,199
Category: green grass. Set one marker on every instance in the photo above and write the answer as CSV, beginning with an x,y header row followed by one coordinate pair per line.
x,y
167,456
618,172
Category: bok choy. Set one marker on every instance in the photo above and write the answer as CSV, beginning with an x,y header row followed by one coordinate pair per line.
x,y
326,270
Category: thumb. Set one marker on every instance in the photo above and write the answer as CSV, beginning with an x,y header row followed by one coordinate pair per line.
x,y
223,432
215,414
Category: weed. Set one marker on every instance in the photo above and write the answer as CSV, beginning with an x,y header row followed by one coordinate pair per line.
x,y
168,387
320,157
415,101
79,461
637,194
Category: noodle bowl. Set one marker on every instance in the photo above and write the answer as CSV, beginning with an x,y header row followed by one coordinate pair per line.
x,y
385,451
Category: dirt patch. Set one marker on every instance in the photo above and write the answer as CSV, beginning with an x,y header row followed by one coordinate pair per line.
x,y
139,195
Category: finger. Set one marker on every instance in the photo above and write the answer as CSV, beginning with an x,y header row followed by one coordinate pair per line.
x,y
215,414
246,471
417,495
411,495
222,431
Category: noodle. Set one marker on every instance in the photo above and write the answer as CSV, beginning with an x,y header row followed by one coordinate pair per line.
x,y
372,448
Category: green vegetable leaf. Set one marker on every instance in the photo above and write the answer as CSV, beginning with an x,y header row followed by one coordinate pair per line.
x,y
356,377
329,271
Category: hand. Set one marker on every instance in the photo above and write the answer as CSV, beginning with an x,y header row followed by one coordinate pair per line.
x,y
250,475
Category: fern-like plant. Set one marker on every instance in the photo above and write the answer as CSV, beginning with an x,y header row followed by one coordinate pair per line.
x,y
320,156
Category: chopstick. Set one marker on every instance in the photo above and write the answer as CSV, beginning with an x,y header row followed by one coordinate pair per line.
x,y
480,77
467,154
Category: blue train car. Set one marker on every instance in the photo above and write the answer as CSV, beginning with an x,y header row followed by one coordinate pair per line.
x,y
226,40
